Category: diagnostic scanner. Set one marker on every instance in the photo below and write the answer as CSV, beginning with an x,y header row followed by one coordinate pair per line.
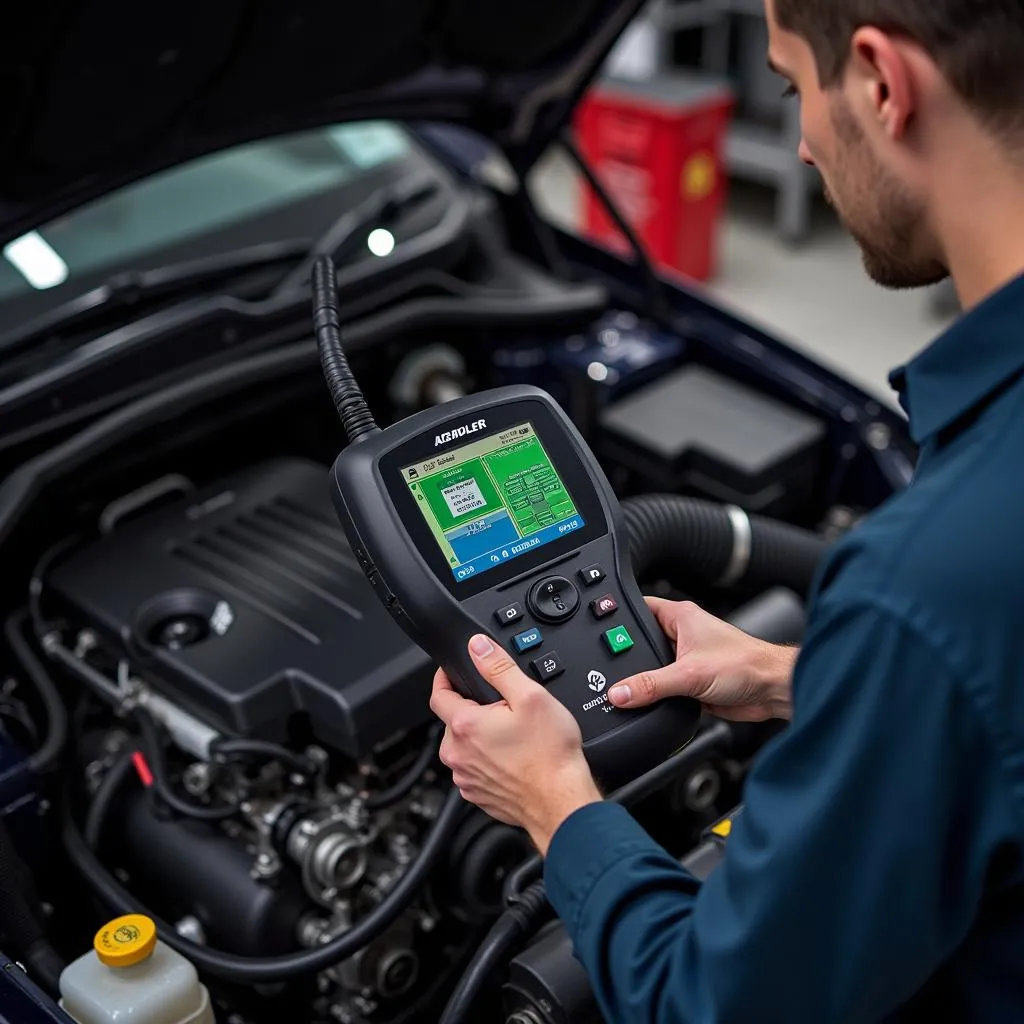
x,y
489,514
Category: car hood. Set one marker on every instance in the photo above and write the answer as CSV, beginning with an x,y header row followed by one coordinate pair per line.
x,y
99,93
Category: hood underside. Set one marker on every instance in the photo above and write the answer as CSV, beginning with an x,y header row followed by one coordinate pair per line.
x,y
97,93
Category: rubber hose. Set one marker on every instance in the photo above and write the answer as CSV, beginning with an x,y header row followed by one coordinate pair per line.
x,y
20,919
48,754
691,541
254,970
104,797
45,965
513,925
153,746
234,749
394,793
717,737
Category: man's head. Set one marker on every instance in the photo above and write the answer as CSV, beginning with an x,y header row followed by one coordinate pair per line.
x,y
889,89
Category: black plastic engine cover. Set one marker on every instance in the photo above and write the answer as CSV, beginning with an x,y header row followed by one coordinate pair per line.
x,y
245,605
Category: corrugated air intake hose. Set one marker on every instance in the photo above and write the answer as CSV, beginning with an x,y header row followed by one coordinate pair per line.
x,y
690,541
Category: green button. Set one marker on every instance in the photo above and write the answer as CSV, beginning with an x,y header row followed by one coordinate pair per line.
x,y
618,639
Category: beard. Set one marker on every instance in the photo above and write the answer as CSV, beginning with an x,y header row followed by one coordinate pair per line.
x,y
879,212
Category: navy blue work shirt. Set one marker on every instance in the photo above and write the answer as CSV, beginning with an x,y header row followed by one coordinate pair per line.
x,y
876,873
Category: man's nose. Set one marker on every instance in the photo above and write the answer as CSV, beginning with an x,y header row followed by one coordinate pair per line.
x,y
805,154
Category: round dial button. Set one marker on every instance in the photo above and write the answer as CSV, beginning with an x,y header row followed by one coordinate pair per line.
x,y
553,599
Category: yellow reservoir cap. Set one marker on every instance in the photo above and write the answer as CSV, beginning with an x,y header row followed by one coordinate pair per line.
x,y
125,940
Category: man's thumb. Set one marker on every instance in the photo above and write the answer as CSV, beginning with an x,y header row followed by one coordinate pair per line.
x,y
676,680
498,668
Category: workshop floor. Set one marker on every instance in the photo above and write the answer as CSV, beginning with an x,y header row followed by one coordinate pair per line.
x,y
815,296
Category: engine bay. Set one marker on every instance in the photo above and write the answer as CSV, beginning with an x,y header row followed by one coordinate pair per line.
x,y
248,753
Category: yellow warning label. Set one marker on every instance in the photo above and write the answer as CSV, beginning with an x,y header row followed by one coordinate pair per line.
x,y
699,176
723,828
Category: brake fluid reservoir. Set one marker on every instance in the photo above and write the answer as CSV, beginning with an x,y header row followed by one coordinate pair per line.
x,y
130,975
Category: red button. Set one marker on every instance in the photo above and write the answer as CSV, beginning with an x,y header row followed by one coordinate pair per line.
x,y
603,606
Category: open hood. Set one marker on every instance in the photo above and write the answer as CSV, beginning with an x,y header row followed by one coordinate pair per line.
x,y
98,93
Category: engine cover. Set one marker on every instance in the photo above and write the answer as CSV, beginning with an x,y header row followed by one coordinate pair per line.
x,y
245,605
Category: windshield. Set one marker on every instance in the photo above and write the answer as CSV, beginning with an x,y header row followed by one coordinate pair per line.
x,y
286,188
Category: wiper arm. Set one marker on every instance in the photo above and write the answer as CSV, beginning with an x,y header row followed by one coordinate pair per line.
x,y
349,231
121,291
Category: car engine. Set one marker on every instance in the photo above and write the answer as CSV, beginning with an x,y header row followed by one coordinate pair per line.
x,y
245,745
289,717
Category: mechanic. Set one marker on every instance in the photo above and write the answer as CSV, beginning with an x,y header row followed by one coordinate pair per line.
x,y
877,870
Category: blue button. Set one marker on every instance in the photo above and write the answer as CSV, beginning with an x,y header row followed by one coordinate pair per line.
x,y
528,639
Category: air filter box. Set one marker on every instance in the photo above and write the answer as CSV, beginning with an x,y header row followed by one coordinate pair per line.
x,y
698,432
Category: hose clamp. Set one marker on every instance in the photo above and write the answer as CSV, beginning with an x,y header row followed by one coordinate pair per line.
x,y
742,546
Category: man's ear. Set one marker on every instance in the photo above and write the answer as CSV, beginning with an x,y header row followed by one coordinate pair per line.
x,y
881,80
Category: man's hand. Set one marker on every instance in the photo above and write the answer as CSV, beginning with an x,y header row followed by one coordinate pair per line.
x,y
521,759
733,675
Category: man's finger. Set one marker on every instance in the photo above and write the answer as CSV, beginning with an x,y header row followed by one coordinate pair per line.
x,y
681,679
665,614
497,667
444,701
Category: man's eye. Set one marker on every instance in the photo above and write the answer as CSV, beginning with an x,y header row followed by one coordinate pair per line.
x,y
789,91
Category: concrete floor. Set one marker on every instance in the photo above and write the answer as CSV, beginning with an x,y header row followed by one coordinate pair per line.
x,y
815,296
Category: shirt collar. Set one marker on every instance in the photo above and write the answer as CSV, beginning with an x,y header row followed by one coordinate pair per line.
x,y
964,365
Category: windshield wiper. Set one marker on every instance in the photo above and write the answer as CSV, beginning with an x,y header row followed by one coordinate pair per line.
x,y
346,234
122,291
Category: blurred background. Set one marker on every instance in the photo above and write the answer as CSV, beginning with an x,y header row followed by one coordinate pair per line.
x,y
689,131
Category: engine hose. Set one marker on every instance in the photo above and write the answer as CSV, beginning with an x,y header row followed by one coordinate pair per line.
x,y
48,754
515,923
716,738
242,748
394,793
256,970
104,797
21,918
689,540
154,749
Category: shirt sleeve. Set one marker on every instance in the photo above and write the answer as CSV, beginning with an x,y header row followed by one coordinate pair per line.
x,y
858,864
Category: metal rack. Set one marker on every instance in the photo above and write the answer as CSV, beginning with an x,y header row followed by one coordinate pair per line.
x,y
754,151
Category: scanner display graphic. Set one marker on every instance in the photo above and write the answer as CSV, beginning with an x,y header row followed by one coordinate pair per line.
x,y
492,499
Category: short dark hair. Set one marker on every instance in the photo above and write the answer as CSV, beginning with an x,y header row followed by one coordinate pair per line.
x,y
977,44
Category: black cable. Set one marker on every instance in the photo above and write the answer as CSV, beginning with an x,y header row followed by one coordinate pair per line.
x,y
395,792
254,970
48,754
21,918
717,736
356,417
152,745
104,797
41,570
513,925
661,309
230,749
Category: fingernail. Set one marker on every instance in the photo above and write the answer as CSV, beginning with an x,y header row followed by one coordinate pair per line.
x,y
480,645
619,695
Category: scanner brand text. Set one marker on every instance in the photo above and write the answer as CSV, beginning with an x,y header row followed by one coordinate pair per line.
x,y
457,432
